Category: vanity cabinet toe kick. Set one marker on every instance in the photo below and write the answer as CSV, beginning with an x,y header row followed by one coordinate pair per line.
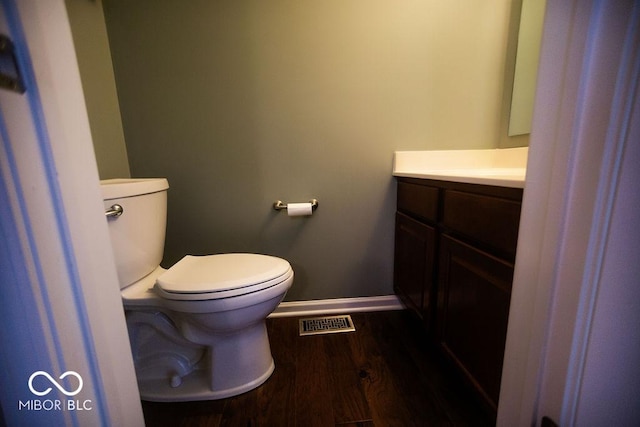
x,y
455,246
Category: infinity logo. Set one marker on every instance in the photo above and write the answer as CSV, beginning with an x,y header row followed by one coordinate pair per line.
x,y
55,383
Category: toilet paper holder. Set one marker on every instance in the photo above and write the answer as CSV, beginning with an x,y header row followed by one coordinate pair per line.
x,y
279,206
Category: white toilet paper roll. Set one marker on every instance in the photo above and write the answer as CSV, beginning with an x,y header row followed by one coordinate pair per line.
x,y
299,209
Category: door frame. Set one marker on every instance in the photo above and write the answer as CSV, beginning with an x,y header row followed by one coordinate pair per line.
x,y
60,274
586,95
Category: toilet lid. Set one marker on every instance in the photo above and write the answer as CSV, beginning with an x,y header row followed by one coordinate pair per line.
x,y
221,276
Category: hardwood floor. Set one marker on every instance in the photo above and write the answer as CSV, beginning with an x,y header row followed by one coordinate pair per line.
x,y
384,374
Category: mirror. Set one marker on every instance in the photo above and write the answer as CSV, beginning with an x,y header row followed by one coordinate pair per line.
x,y
526,67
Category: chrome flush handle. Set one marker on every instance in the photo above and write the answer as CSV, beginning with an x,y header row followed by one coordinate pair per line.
x,y
114,211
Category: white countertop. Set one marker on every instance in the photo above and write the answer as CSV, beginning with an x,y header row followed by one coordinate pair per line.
x,y
504,167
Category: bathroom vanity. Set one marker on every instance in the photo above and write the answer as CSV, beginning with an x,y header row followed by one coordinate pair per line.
x,y
455,245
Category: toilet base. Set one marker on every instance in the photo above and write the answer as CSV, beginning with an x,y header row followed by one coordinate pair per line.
x,y
195,386
234,362
196,350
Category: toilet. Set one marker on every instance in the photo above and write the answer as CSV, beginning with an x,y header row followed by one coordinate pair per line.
x,y
197,330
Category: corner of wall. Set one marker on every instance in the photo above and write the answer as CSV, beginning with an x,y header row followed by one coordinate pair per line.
x,y
98,83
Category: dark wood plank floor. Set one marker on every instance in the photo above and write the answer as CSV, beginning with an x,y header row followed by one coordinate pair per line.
x,y
384,374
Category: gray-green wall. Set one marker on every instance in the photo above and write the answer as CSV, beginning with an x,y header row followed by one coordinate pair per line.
x,y
240,103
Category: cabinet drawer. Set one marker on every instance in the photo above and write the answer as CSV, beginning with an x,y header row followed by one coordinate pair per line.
x,y
418,200
489,220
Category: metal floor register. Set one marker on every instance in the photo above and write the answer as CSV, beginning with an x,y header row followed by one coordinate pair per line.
x,y
326,325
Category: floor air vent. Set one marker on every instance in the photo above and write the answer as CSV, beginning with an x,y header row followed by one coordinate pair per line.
x,y
326,325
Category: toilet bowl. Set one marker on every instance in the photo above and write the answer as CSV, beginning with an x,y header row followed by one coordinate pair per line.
x,y
197,330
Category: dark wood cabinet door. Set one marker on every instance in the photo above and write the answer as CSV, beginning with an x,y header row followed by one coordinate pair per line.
x,y
473,307
414,261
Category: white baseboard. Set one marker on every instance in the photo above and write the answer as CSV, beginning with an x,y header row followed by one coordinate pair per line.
x,y
337,306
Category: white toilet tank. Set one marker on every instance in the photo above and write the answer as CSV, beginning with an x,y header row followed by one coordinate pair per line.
x,y
137,235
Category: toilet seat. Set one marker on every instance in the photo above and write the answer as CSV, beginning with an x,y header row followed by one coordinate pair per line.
x,y
198,278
